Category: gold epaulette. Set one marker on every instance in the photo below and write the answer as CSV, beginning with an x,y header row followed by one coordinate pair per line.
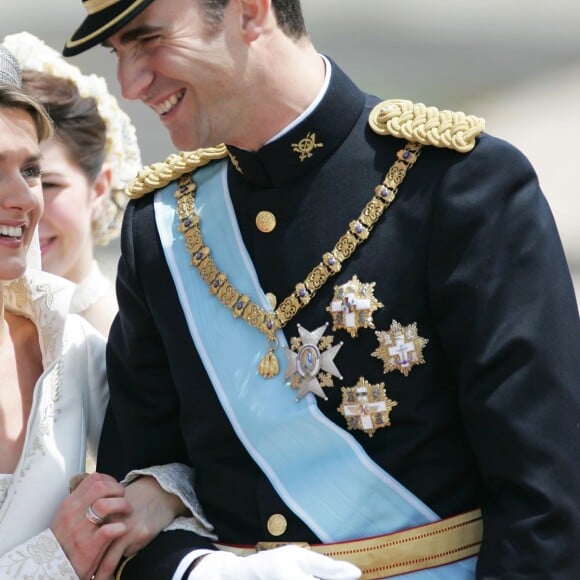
x,y
418,123
158,175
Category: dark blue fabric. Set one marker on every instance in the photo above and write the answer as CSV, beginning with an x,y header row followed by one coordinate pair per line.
x,y
468,251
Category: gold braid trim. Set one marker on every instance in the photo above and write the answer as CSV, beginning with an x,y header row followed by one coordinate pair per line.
x,y
418,123
392,555
414,122
158,175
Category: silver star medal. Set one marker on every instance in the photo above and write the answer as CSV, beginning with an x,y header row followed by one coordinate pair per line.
x,y
311,362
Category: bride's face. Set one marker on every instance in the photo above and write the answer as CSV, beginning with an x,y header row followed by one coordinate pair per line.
x,y
20,189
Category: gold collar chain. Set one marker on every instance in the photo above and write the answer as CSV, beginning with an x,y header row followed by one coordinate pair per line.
x,y
268,322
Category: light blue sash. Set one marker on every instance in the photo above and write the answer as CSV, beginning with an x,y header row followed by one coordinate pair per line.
x,y
320,471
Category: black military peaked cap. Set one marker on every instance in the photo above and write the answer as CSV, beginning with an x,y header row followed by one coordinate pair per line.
x,y
104,18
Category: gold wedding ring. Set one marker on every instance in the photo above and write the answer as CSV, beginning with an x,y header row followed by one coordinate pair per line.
x,y
93,517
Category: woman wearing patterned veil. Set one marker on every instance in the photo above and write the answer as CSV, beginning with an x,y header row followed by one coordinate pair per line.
x,y
53,392
86,166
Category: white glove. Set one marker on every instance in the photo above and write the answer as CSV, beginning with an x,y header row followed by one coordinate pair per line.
x,y
285,563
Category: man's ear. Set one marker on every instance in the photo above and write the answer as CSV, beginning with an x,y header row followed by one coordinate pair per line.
x,y
254,14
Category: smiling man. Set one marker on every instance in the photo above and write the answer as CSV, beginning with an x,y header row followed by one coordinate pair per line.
x,y
353,317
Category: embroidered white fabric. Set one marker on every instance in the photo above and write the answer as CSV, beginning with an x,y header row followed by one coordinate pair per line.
x,y
39,558
178,479
54,449
5,481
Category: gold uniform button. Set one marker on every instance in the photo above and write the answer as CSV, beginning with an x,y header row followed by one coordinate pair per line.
x,y
265,221
277,524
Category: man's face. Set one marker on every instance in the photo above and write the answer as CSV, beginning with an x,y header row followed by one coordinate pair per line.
x,y
167,59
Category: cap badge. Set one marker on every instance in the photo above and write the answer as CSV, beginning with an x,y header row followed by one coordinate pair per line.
x,y
306,146
366,407
353,305
311,362
400,347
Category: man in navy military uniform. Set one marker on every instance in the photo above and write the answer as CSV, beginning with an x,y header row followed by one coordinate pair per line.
x,y
354,319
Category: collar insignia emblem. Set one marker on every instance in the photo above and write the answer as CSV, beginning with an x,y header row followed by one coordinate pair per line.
x,y
366,407
235,163
306,146
353,305
400,348
311,362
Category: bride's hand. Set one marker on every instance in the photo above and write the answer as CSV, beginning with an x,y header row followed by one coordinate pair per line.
x,y
85,535
152,510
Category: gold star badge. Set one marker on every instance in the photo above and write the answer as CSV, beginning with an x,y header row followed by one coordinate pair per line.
x,y
353,305
311,362
400,348
366,407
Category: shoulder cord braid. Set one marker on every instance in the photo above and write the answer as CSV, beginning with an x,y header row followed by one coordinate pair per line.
x,y
418,123
414,122
158,175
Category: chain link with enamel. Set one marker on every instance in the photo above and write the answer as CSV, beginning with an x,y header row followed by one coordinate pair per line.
x,y
240,305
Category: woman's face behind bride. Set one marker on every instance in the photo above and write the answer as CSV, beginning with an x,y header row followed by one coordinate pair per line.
x,y
20,189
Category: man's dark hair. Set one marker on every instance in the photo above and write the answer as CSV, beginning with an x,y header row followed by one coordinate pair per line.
x,y
288,15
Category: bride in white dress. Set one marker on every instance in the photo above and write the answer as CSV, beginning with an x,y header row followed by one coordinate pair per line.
x,y
53,395
86,167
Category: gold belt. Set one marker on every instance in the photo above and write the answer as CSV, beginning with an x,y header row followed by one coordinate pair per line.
x,y
442,542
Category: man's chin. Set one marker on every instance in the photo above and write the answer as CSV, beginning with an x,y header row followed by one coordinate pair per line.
x,y
187,144
183,142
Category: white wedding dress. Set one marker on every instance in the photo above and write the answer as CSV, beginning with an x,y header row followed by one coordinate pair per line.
x,y
65,422
66,415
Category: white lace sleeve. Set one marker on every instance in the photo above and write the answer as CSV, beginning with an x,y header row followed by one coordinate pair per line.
x,y
39,558
177,478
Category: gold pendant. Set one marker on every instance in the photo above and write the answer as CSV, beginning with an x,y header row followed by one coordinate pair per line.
x,y
269,366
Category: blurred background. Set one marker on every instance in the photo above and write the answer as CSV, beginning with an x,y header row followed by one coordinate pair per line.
x,y
517,64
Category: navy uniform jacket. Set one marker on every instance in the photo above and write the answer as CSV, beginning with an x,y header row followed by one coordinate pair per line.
x,y
468,251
